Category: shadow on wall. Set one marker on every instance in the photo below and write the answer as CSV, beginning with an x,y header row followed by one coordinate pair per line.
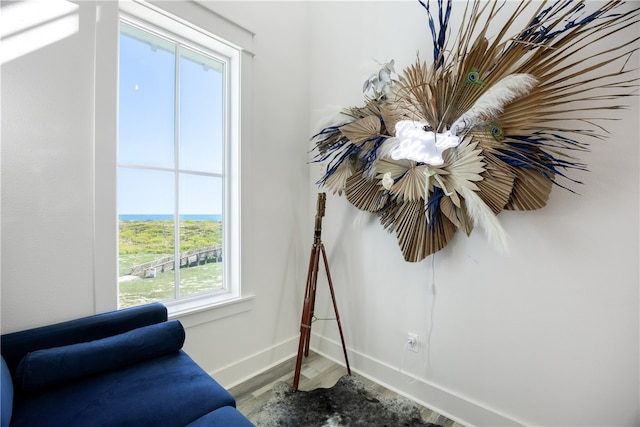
x,y
31,25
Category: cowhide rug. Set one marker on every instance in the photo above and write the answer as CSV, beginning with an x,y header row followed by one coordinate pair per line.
x,y
347,403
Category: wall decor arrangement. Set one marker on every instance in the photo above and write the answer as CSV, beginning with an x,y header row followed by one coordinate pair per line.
x,y
495,119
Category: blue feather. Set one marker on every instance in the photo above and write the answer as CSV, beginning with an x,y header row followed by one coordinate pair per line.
x,y
369,157
433,207
349,153
527,155
439,40
571,24
538,33
330,131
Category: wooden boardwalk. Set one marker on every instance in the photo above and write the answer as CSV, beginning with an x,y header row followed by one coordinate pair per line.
x,y
192,258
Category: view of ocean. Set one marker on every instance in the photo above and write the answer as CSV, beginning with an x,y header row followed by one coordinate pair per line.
x,y
167,217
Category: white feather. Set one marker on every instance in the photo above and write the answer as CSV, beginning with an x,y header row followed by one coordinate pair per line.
x,y
491,103
483,216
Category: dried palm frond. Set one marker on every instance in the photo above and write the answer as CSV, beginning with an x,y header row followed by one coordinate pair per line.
x,y
496,187
362,130
364,193
464,167
417,237
457,215
530,191
412,185
337,181
511,107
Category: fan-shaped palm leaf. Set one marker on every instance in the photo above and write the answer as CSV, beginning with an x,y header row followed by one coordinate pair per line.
x,y
362,130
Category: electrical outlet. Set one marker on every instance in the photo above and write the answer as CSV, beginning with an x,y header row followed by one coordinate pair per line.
x,y
412,342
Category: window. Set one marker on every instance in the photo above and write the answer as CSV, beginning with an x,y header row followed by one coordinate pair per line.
x,y
177,164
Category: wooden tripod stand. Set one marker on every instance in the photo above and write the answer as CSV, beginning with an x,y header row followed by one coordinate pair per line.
x,y
310,294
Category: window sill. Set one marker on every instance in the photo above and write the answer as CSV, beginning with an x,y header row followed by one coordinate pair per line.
x,y
199,311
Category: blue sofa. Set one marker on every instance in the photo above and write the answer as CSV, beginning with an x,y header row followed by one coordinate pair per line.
x,y
123,368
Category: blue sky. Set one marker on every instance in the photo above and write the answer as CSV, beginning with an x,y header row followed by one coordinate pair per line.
x,y
147,128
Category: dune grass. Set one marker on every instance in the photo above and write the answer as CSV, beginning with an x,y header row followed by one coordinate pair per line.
x,y
144,241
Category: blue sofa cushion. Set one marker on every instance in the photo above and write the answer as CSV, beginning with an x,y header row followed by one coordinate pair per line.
x,y
16,345
226,416
167,391
6,394
42,369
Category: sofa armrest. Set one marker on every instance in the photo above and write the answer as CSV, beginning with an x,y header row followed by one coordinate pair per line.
x,y
16,345
6,394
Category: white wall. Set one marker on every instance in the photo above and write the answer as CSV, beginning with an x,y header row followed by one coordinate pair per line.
x,y
547,335
48,196
47,157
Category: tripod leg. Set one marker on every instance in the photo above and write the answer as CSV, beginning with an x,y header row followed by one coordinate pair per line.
x,y
335,307
307,313
312,298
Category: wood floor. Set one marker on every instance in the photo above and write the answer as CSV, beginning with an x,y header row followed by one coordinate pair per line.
x,y
317,371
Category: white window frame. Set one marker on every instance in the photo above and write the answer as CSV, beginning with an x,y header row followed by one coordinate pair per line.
x,y
229,58
191,21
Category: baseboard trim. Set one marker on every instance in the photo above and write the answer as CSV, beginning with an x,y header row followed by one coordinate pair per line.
x,y
423,392
236,373
433,396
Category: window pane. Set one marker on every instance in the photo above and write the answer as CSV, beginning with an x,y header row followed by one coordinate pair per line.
x,y
146,236
172,143
201,112
146,99
200,234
